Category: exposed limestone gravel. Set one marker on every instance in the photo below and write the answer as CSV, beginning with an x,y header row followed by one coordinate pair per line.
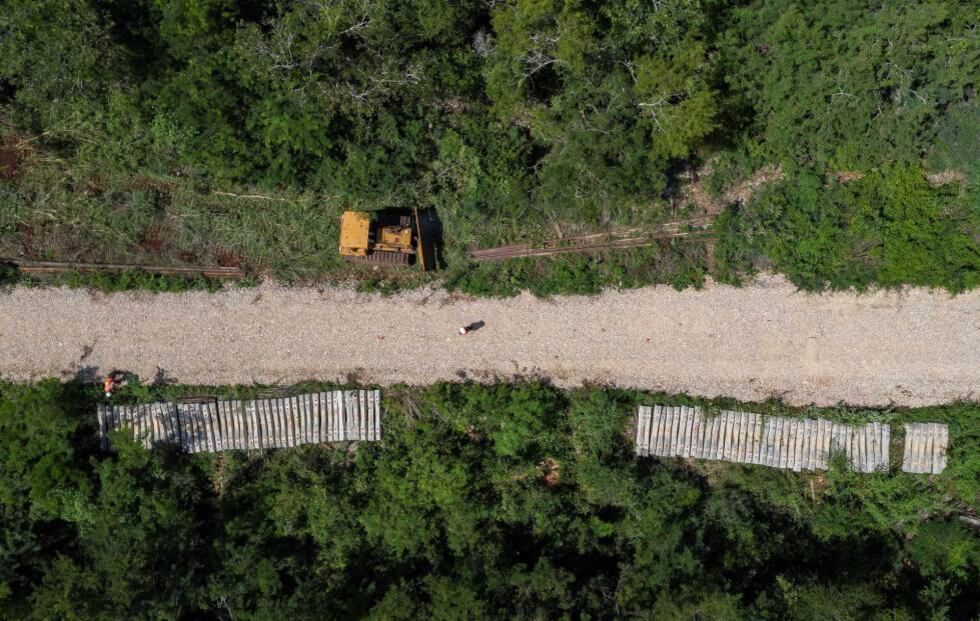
x,y
911,347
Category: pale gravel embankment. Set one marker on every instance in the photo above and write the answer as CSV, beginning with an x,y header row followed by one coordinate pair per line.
x,y
913,347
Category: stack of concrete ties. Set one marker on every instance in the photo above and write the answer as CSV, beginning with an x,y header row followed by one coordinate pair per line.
x,y
149,424
749,438
341,415
925,448
866,448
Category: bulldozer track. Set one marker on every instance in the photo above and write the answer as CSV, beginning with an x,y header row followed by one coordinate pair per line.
x,y
382,257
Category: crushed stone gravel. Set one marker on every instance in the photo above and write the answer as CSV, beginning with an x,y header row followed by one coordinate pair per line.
x,y
909,347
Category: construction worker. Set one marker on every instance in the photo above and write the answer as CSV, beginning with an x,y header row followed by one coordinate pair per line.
x,y
476,325
114,380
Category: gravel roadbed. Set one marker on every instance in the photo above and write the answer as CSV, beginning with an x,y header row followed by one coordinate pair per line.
x,y
911,347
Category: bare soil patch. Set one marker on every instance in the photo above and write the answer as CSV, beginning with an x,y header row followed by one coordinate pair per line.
x,y
11,160
741,192
846,176
945,177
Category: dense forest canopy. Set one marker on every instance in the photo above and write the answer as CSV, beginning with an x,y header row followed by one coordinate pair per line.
x,y
480,502
363,97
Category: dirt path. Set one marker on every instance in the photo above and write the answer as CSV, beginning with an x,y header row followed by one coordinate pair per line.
x,y
910,348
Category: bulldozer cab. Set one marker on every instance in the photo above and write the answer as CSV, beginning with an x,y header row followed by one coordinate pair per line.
x,y
395,237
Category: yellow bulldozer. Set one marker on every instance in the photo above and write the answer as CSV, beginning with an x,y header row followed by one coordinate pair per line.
x,y
383,238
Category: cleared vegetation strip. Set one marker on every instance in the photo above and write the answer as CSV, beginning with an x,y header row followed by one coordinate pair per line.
x,y
262,423
750,438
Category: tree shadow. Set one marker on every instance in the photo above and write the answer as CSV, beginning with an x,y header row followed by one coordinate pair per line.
x,y
88,374
9,274
160,378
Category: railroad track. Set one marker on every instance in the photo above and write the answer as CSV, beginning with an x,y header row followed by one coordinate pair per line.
x,y
687,230
55,267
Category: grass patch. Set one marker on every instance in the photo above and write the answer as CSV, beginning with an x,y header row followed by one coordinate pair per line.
x,y
676,263
129,280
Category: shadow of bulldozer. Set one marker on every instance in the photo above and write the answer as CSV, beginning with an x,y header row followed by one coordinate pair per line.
x,y
430,231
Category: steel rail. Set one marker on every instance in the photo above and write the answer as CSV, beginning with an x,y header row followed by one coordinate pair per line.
x,y
525,250
54,267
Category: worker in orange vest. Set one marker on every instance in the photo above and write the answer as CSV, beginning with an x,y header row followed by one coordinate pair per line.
x,y
113,381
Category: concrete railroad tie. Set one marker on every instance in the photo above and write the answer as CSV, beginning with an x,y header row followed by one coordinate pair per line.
x,y
781,442
338,416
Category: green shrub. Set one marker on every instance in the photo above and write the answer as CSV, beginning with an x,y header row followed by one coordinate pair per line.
x,y
888,228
